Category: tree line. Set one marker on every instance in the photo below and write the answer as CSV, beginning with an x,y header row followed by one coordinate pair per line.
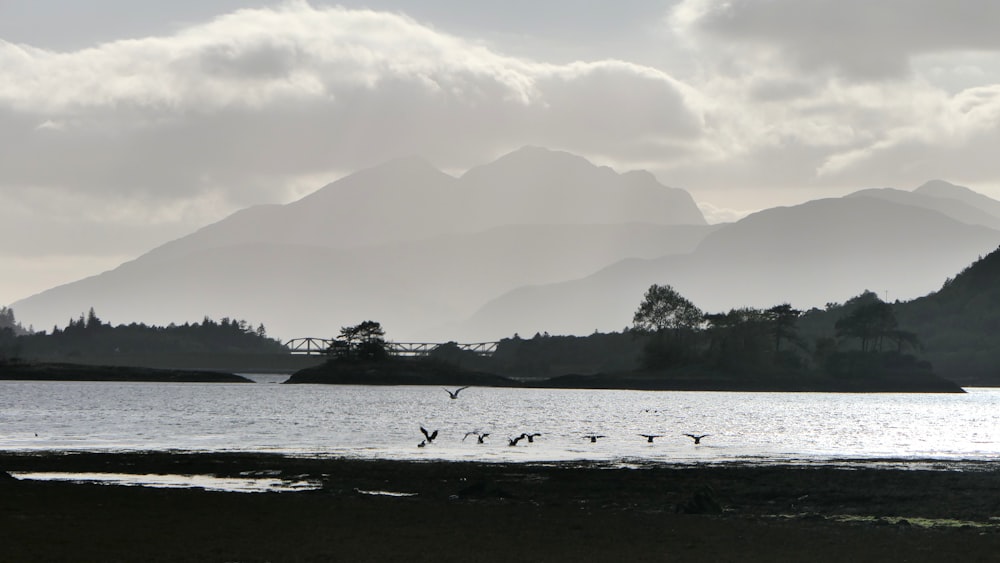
x,y
866,337
88,335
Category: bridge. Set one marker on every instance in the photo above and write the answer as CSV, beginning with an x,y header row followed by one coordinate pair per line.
x,y
321,346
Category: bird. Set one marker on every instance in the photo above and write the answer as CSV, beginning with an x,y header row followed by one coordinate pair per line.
x,y
514,441
454,394
697,438
593,437
480,436
649,437
531,437
429,435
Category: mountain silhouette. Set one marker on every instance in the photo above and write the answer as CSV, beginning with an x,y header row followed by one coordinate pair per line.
x,y
535,241
403,243
807,255
965,210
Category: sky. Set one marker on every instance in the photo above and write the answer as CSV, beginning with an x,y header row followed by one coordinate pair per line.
x,y
124,124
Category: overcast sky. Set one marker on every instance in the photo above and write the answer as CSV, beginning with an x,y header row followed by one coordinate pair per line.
x,y
126,124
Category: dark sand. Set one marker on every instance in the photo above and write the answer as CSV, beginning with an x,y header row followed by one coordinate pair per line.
x,y
500,512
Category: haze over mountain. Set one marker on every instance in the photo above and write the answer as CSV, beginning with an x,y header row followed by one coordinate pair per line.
x,y
402,243
537,240
807,255
957,202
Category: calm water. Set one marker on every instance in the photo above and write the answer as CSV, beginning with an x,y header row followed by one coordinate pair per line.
x,y
384,422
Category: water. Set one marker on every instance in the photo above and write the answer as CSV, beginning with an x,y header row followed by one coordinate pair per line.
x,y
384,422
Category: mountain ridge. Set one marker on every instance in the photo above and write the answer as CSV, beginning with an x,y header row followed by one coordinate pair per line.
x,y
330,255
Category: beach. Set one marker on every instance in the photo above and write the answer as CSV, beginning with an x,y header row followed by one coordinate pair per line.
x,y
374,510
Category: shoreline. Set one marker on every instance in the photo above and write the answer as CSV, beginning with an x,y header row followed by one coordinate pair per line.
x,y
499,512
397,372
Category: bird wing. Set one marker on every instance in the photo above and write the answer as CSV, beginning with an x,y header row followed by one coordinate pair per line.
x,y
467,434
433,435
424,430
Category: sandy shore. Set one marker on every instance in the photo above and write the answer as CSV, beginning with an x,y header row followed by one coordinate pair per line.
x,y
499,512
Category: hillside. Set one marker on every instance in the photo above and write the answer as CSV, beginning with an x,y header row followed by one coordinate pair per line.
x,y
958,325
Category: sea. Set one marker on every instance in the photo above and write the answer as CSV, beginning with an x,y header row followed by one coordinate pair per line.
x,y
384,422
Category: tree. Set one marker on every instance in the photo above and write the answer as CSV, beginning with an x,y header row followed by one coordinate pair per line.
x,y
364,341
869,323
672,320
664,309
782,319
739,338
7,320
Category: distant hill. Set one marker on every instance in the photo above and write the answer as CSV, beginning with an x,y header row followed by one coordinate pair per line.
x,y
402,243
807,255
946,190
958,209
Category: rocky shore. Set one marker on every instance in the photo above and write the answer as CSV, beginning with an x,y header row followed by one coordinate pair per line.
x,y
366,510
418,371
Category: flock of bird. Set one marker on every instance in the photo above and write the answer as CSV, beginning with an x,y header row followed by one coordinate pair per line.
x,y
429,437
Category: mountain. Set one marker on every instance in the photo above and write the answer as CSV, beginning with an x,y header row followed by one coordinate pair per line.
x,y
947,200
806,255
946,190
535,185
401,243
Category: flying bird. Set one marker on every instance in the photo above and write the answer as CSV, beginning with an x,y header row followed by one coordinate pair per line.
x,y
454,394
429,435
697,438
593,437
649,437
514,441
480,436
531,437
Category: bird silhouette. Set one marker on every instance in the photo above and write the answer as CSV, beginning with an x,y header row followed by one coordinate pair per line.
x,y
531,437
429,435
454,394
697,438
480,436
593,437
649,437
514,441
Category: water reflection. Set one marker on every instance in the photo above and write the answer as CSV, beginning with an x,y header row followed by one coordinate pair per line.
x,y
384,422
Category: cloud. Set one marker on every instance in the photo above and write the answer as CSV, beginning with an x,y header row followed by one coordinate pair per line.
x,y
840,94
860,38
715,215
242,102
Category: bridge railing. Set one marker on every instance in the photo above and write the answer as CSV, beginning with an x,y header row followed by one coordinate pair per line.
x,y
321,346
